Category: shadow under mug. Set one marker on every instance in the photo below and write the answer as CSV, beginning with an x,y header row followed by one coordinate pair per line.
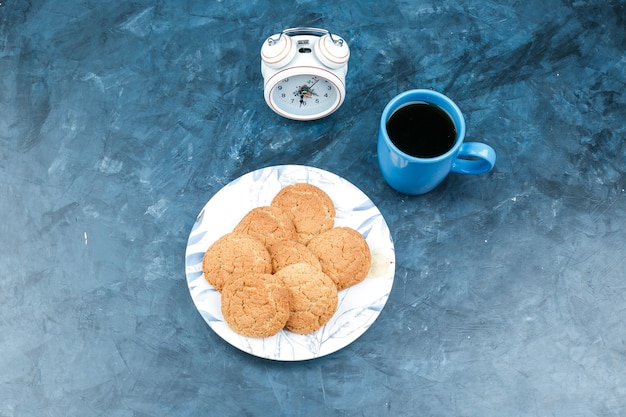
x,y
413,175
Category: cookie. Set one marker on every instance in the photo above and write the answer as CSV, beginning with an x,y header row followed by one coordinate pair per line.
x,y
287,252
232,254
255,305
312,297
267,224
344,254
311,210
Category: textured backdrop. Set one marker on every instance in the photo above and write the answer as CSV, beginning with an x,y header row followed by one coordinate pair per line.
x,y
119,120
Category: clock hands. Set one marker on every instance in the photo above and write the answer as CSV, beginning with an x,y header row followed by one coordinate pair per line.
x,y
306,91
304,96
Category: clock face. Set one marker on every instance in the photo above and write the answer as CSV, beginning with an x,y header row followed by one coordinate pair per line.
x,y
305,95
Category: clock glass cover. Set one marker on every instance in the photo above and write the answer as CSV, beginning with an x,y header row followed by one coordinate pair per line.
x,y
305,95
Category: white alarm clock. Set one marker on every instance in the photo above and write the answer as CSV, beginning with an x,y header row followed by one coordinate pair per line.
x,y
304,72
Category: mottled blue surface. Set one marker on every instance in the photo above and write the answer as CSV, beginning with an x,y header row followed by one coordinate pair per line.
x,y
119,120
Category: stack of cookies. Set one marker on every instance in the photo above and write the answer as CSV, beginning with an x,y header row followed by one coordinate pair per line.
x,y
283,264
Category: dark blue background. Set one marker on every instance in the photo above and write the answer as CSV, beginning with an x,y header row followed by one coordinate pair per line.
x,y
119,120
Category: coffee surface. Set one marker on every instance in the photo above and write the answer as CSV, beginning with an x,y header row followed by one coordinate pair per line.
x,y
421,130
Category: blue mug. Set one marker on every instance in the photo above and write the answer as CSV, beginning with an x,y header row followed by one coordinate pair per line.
x,y
414,175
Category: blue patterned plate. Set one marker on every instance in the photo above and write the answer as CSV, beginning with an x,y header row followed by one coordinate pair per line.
x,y
358,306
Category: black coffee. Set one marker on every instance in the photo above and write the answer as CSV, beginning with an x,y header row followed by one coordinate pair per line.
x,y
422,130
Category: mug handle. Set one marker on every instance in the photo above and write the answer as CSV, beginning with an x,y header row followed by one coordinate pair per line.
x,y
474,158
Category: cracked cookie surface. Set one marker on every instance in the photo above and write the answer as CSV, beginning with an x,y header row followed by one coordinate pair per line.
x,y
344,254
312,297
286,252
267,224
255,305
232,254
311,210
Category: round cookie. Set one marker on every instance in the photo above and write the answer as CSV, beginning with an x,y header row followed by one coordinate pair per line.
x,y
344,254
312,297
267,224
255,305
311,210
286,252
232,254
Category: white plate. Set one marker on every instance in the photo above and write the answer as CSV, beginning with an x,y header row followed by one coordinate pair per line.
x,y
358,306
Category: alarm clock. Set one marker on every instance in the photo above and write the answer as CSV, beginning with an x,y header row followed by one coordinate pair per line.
x,y
304,72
